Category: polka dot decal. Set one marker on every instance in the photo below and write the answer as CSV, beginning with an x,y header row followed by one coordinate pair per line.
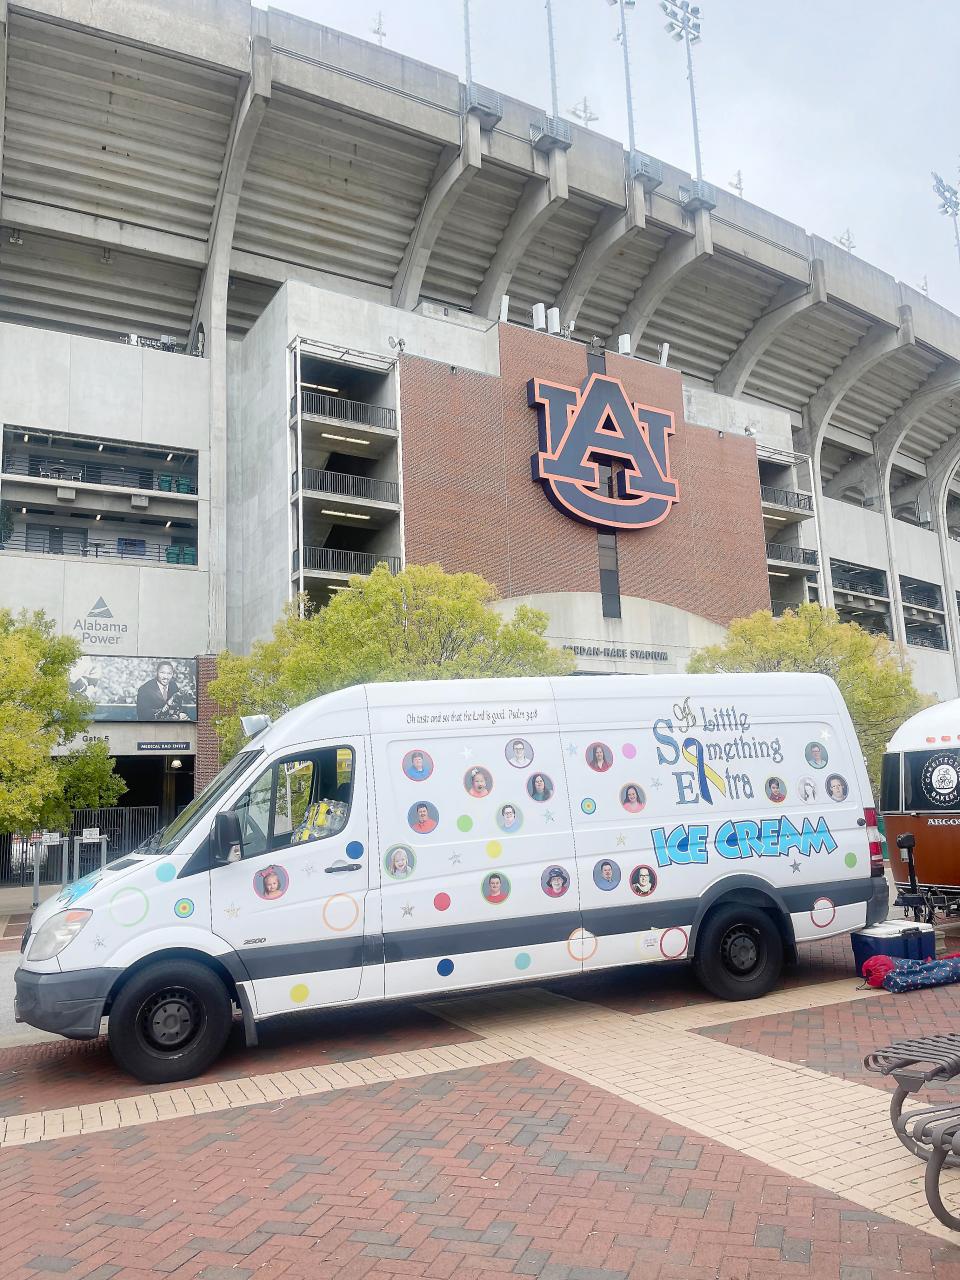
x,y
588,805
582,945
354,849
341,912
183,908
673,943
128,907
850,859
494,848
166,871
442,902
823,913
299,993
445,968
629,751
523,961
464,822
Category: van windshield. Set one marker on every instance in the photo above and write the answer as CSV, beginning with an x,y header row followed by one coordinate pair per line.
x,y
208,798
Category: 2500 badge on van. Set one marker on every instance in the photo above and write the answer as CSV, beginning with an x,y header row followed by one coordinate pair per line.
x,y
398,840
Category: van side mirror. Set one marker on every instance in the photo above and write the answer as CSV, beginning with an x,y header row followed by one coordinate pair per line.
x,y
226,843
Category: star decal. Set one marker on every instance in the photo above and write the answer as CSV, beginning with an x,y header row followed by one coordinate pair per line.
x,y
621,840
407,909
571,748
467,752
99,943
656,784
548,816
825,734
455,859
795,867
232,911
310,869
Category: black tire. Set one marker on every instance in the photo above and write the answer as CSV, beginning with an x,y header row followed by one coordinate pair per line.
x,y
739,953
170,1021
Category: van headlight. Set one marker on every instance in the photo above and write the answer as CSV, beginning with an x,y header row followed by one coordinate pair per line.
x,y
55,933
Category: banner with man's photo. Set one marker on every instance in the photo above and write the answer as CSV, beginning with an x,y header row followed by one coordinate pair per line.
x,y
145,690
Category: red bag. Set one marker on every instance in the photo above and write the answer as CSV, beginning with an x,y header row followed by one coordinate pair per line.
x,y
876,969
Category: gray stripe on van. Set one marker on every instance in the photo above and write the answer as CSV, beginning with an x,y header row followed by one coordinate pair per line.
x,y
323,955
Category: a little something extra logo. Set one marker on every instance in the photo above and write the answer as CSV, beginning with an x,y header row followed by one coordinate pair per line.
x,y
578,429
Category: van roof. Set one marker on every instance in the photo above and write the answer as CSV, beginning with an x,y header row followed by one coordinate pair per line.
x,y
933,727
300,723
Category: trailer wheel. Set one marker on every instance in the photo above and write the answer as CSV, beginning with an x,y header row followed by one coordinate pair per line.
x,y
739,953
170,1021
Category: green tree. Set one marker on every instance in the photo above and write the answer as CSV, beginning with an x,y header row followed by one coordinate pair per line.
x,y
421,624
870,672
39,714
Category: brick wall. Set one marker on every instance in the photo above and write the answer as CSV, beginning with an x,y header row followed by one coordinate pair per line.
x,y
207,763
470,503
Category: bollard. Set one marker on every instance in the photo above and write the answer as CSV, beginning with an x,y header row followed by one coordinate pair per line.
x,y
65,861
36,875
76,857
103,853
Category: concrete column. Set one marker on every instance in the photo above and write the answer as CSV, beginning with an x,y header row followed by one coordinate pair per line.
x,y
211,314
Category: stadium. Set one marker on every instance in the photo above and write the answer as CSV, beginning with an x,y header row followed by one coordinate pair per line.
x,y
278,305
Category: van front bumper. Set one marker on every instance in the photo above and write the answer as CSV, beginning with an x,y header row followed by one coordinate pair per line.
x,y
69,1004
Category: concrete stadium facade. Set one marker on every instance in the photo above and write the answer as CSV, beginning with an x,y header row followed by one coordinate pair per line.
x,y
252,261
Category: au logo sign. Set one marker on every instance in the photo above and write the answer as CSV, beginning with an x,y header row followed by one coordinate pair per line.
x,y
598,421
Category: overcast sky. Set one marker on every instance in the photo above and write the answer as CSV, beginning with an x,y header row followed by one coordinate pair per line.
x,y
835,111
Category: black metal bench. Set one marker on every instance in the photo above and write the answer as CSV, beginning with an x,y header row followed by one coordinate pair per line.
x,y
930,1133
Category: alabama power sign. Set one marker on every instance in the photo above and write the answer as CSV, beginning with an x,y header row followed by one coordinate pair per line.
x,y
580,430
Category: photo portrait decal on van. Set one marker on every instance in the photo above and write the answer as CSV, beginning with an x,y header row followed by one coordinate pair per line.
x,y
519,753
271,882
399,862
495,887
555,882
423,817
606,874
836,788
417,765
539,787
478,782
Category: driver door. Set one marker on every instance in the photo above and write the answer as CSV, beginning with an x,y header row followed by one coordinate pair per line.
x,y
291,901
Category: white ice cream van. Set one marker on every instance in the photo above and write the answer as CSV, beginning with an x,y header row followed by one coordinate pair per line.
x,y
397,840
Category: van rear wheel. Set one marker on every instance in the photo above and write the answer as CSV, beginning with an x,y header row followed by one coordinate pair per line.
x,y
739,953
170,1021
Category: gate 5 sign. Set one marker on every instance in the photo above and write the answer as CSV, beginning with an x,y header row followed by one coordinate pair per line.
x,y
598,422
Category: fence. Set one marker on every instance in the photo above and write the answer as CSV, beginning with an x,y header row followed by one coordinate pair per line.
x,y
124,828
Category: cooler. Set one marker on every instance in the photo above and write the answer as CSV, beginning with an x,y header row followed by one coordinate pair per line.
x,y
899,939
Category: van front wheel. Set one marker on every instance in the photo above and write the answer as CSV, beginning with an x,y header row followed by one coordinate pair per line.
x,y
169,1022
739,953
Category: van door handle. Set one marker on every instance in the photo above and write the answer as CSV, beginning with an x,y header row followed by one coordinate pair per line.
x,y
343,866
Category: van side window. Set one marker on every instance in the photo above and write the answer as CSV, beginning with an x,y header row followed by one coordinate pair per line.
x,y
302,798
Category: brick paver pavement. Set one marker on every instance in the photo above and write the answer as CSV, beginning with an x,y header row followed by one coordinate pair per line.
x,y
640,1129
510,1170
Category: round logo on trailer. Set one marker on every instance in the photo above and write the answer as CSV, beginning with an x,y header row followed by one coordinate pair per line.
x,y
823,913
940,779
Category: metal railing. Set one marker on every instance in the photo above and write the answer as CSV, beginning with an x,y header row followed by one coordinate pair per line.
x,y
118,477
366,415
927,640
864,584
73,542
332,560
923,597
792,555
791,498
347,486
125,829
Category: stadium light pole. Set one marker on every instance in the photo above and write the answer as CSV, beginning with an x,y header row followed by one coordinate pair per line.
x,y
624,5
683,25
466,43
949,199
552,48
